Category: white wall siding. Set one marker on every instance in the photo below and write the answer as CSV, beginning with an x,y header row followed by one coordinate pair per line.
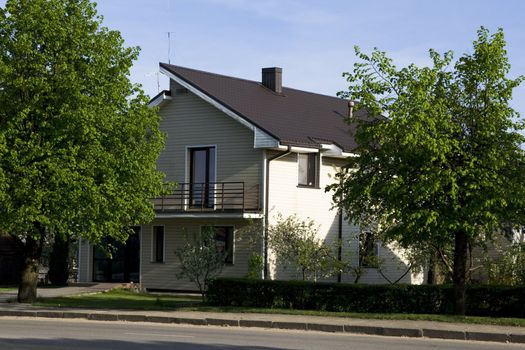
x,y
286,198
85,268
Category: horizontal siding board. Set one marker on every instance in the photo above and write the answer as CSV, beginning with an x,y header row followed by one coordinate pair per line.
x,y
288,199
177,231
189,121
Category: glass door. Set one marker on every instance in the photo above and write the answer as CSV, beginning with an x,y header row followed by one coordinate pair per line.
x,y
123,262
202,177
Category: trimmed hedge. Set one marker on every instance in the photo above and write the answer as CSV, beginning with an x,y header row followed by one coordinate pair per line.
x,y
482,300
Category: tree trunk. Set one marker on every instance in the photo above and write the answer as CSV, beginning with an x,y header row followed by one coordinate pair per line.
x,y
460,272
432,269
29,278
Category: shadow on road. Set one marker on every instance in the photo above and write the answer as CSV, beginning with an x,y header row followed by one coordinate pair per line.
x,y
102,344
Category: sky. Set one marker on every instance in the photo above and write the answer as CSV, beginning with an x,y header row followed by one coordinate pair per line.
x,y
311,40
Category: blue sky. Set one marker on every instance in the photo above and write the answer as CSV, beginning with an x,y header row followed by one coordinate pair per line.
x,y
311,40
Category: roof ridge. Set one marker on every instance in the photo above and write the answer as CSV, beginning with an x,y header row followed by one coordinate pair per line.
x,y
247,80
214,74
315,93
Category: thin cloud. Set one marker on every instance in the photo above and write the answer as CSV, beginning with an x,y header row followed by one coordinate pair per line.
x,y
289,11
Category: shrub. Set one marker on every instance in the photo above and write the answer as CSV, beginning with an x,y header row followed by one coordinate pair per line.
x,y
484,300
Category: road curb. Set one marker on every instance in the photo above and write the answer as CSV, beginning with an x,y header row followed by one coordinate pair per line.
x,y
483,336
444,334
304,326
322,327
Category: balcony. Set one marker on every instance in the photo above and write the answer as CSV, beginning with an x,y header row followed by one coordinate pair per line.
x,y
211,197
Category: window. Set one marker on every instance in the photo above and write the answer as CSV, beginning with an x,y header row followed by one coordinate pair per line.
x,y
368,252
158,243
224,239
307,163
202,176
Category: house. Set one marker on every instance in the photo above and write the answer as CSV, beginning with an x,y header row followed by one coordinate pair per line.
x,y
242,152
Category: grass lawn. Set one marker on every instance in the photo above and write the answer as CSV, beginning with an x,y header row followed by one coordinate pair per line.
x,y
7,289
124,299
121,299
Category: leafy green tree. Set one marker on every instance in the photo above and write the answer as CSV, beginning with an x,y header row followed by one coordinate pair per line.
x,y
443,166
508,267
78,144
294,243
200,259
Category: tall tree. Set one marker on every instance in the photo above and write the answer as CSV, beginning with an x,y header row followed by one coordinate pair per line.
x,y
78,144
443,165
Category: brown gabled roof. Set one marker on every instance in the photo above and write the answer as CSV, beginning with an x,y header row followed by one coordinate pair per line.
x,y
294,117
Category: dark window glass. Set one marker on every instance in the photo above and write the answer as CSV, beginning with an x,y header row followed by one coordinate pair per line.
x,y
202,176
118,262
307,163
224,239
158,236
368,253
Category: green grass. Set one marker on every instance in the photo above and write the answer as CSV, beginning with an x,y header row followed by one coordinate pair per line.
x,y
127,300
121,299
7,289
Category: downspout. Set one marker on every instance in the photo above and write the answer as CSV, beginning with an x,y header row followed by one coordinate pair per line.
x,y
266,210
340,238
351,105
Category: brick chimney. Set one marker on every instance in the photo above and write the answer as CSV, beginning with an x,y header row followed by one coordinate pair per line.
x,y
272,78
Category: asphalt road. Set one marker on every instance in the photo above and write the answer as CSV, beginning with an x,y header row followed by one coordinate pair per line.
x,y
27,333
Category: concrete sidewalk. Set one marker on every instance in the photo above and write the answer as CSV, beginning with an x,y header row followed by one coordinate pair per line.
x,y
53,292
427,329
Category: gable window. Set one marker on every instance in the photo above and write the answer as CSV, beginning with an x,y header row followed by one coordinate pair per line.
x,y
158,244
224,241
368,250
307,164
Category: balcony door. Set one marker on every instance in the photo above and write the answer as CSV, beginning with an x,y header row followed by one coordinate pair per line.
x,y
202,177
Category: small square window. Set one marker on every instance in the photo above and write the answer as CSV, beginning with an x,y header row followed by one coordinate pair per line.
x,y
307,164
158,243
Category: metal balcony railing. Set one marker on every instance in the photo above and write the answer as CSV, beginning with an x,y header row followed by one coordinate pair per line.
x,y
210,196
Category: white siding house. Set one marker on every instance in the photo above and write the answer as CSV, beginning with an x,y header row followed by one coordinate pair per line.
x,y
242,151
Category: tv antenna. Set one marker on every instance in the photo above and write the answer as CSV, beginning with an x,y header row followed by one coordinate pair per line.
x,y
169,46
156,74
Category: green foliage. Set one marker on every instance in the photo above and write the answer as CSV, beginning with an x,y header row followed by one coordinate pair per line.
x,y
493,301
200,260
250,237
78,144
255,266
443,166
295,244
509,268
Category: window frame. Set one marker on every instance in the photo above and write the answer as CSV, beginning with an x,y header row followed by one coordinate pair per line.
x,y
230,257
207,200
370,249
312,170
155,244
